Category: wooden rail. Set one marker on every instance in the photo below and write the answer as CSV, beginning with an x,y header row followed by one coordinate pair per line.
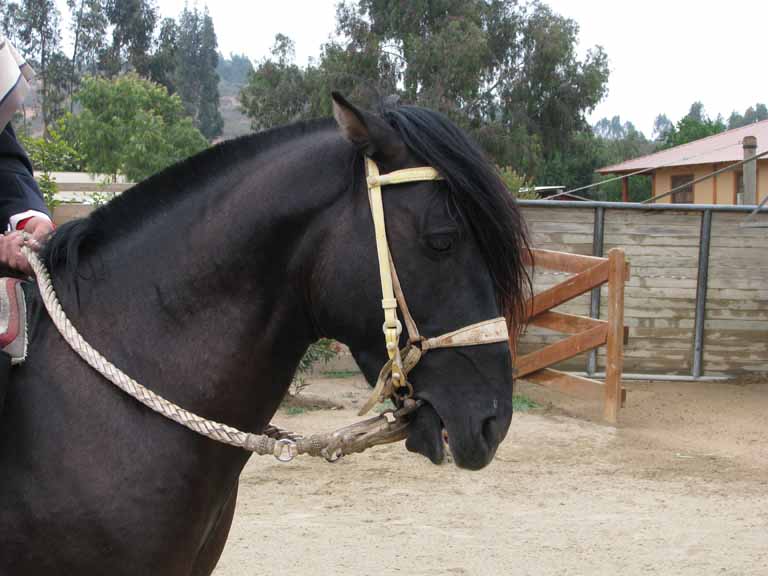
x,y
584,333
91,187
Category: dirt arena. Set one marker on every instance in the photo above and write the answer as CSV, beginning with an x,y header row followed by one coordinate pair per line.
x,y
679,488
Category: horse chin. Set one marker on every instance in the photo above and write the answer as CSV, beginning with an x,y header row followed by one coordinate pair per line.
x,y
425,434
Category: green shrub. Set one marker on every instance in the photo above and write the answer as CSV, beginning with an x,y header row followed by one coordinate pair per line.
x,y
517,185
321,351
48,154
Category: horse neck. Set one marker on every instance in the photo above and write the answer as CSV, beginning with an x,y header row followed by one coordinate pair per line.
x,y
205,304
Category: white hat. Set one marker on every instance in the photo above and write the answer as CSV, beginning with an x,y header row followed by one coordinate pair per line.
x,y
15,75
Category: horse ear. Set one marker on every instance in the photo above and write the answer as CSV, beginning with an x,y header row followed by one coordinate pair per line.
x,y
370,134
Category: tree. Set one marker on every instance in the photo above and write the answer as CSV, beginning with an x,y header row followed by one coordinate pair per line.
x,y
277,91
9,19
133,25
661,127
50,154
188,43
614,129
196,78
209,119
38,22
696,112
234,69
756,114
693,126
735,120
617,142
57,76
508,73
89,39
752,114
162,66
130,126
551,88
438,49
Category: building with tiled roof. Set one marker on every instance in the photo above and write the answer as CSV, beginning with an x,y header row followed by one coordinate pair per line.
x,y
674,167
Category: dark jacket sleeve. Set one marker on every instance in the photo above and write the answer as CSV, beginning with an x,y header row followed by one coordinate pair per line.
x,y
19,192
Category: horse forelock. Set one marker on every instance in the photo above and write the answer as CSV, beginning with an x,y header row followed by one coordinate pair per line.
x,y
480,195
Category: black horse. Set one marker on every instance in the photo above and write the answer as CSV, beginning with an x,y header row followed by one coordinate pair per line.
x,y
206,283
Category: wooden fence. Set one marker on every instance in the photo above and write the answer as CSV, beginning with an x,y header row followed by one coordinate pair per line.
x,y
586,273
697,302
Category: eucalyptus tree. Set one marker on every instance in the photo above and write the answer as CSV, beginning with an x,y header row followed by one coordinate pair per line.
x,y
88,26
133,25
508,72
162,67
196,79
39,36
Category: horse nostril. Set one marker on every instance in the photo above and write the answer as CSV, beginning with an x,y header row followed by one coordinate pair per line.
x,y
491,432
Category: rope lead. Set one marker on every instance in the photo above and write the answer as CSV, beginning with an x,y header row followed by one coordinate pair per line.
x,y
276,442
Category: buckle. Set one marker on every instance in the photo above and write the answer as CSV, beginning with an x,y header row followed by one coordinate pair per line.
x,y
397,326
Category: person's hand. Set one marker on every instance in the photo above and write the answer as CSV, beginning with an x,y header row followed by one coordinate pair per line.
x,y
10,244
38,227
10,252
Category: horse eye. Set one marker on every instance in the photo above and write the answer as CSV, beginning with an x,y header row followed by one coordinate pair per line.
x,y
440,242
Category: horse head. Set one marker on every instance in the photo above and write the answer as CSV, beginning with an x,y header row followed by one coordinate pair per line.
x,y
457,243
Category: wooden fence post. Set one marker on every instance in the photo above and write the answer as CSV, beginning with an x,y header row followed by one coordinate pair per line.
x,y
586,273
614,361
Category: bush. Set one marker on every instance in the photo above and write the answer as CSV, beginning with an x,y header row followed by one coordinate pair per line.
x,y
517,185
321,351
50,154
130,126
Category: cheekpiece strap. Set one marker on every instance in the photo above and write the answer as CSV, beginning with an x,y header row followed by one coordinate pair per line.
x,y
392,327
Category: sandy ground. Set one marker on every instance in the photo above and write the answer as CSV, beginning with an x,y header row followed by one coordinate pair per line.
x,y
679,488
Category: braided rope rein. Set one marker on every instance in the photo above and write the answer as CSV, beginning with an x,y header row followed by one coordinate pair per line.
x,y
275,441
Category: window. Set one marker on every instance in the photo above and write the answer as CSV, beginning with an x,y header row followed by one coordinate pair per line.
x,y
739,187
684,195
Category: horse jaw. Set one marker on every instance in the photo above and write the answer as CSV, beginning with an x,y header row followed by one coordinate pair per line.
x,y
425,434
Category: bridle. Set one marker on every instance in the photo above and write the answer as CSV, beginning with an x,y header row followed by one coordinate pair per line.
x,y
393,377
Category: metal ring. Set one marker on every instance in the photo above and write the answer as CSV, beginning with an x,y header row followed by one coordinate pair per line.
x,y
285,450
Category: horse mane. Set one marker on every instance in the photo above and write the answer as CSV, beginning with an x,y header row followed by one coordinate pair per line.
x,y
480,195
154,196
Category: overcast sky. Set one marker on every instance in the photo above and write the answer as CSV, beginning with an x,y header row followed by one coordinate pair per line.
x,y
664,55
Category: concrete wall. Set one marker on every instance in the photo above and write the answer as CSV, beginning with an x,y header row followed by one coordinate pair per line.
x,y
720,189
660,299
